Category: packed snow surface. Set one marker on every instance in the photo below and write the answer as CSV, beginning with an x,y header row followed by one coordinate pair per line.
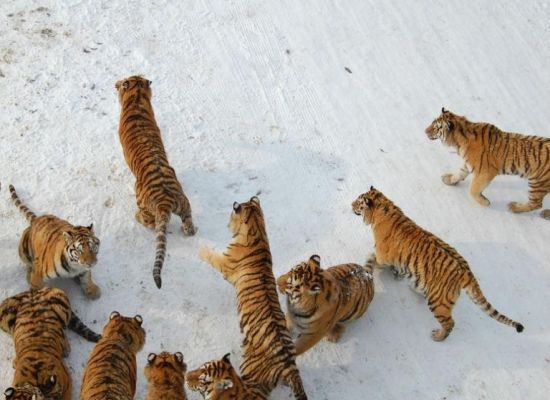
x,y
306,103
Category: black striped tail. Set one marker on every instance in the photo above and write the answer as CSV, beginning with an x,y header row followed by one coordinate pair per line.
x,y
475,293
292,377
76,325
22,207
162,219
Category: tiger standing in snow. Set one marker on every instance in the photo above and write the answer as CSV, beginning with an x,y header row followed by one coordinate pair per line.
x,y
268,350
158,191
436,269
487,152
321,302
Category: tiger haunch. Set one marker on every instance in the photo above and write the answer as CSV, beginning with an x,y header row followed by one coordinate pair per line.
x,y
436,269
158,191
268,350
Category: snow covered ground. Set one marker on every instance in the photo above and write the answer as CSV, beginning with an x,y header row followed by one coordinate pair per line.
x,y
307,103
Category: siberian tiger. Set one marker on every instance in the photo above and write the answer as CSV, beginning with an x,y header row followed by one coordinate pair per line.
x,y
487,152
165,373
268,350
320,302
158,192
111,369
218,380
36,320
24,392
435,268
51,247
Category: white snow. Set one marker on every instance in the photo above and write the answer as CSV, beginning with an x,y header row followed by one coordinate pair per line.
x,y
255,97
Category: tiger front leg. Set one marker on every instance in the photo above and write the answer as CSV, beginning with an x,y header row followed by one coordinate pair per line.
x,y
187,225
90,289
216,260
536,195
460,175
479,183
34,278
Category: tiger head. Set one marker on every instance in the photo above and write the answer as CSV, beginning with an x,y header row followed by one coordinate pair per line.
x,y
247,218
303,283
81,247
8,314
214,379
127,329
444,126
367,204
23,392
165,368
129,86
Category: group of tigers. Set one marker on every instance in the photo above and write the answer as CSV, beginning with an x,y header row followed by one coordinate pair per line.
x,y
320,302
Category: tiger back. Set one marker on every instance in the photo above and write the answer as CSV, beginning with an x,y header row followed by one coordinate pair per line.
x,y
158,191
488,151
218,380
165,373
36,320
51,248
24,392
436,269
268,350
110,373
320,302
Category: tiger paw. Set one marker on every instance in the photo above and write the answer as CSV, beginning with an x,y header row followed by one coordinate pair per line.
x,y
204,253
448,179
439,335
545,214
335,334
188,229
93,292
482,200
517,207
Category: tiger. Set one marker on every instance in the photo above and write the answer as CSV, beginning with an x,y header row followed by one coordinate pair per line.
x,y
110,373
51,247
165,373
320,302
435,269
218,380
158,191
36,320
24,392
268,350
488,151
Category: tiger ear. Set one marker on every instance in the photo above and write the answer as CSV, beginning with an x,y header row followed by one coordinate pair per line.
x,y
139,319
372,187
151,357
281,283
369,203
51,381
315,259
114,314
236,207
179,357
9,392
255,199
68,236
443,111
91,227
226,358
224,384
149,82
451,126
126,84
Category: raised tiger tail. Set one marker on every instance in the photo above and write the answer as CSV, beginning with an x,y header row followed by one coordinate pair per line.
x,y
22,207
475,293
76,325
162,218
292,377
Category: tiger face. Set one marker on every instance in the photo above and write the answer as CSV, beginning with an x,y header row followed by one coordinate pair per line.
x,y
161,367
364,205
127,328
24,392
81,247
244,216
441,127
213,378
303,283
131,85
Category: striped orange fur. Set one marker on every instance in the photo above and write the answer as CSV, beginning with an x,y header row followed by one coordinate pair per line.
x,y
436,269
110,373
165,373
36,320
158,191
268,350
488,151
218,380
321,302
24,392
51,247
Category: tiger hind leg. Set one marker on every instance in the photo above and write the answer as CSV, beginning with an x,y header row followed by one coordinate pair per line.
x,y
479,183
536,195
291,376
184,212
460,175
442,310
336,332
145,218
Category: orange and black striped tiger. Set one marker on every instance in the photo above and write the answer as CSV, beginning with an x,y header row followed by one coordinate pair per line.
x,y
24,392
321,302
487,152
110,373
268,350
36,320
165,373
218,380
158,191
436,269
51,247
